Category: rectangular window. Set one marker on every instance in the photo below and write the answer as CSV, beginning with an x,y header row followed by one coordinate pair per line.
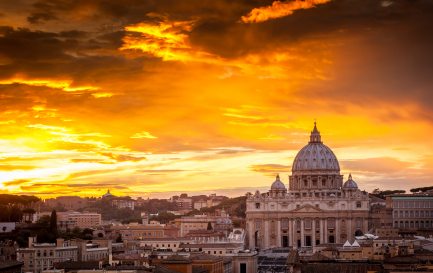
x,y
331,223
358,223
257,205
285,223
307,224
242,268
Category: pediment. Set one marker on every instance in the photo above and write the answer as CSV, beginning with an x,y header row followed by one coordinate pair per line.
x,y
307,208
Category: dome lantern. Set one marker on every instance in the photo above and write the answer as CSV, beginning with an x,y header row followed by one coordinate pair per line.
x,y
315,135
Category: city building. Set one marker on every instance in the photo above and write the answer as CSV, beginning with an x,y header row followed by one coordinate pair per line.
x,y
8,250
171,244
207,201
72,219
96,250
11,267
245,262
38,257
221,223
138,231
380,215
195,263
123,203
183,202
7,227
200,204
216,249
316,208
411,211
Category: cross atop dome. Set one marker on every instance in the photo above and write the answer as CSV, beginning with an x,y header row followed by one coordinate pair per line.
x,y
315,135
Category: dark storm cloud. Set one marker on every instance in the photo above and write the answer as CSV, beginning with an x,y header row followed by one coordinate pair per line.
x,y
133,11
24,44
72,54
390,64
228,37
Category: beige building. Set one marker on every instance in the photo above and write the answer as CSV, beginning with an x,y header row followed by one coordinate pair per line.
x,y
245,262
412,211
216,249
72,219
123,203
138,231
187,224
39,257
317,208
42,257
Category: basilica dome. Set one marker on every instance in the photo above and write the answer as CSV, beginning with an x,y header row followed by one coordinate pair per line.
x,y
278,185
315,157
350,184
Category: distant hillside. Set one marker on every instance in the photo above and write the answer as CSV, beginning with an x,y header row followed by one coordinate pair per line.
x,y
234,206
23,200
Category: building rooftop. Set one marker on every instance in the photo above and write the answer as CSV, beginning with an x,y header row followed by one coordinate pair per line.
x,y
211,245
205,257
4,265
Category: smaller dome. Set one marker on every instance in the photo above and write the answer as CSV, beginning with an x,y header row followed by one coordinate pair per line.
x,y
278,185
108,194
350,184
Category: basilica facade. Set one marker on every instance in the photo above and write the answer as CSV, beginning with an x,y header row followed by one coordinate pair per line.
x,y
317,207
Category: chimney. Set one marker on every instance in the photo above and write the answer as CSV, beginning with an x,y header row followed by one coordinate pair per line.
x,y
31,241
60,242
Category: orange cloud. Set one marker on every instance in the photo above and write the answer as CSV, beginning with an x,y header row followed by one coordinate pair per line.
x,y
143,134
167,40
279,9
66,85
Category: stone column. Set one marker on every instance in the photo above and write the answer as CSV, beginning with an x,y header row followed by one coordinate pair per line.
x,y
279,238
325,234
365,229
302,233
350,230
266,234
313,243
295,234
337,229
291,232
322,240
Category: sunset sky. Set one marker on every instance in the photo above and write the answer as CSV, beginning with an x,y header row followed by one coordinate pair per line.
x,y
158,97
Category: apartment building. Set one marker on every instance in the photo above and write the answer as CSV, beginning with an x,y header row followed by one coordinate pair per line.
x,y
39,257
411,211
72,219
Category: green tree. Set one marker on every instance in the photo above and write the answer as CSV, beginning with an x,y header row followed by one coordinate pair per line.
x,y
87,234
15,214
423,189
44,220
53,223
164,217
